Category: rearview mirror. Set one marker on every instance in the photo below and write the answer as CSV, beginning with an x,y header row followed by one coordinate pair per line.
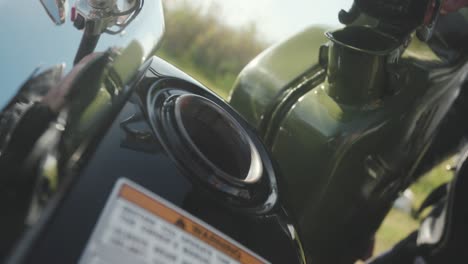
x,y
56,9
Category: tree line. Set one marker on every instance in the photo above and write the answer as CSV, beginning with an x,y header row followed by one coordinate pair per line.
x,y
199,41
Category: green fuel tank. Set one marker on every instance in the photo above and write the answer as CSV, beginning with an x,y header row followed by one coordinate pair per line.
x,y
347,120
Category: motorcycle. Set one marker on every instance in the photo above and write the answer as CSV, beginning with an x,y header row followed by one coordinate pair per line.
x,y
125,158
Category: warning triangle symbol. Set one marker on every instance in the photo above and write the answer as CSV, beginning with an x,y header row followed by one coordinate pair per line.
x,y
180,223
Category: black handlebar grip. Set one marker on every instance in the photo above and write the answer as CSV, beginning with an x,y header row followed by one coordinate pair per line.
x,y
395,11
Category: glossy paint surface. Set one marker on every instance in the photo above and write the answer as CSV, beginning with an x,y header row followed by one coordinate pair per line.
x,y
343,164
259,83
90,94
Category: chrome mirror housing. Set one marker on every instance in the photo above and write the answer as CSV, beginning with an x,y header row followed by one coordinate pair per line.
x,y
56,9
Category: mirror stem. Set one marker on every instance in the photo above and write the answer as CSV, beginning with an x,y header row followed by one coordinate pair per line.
x,y
88,42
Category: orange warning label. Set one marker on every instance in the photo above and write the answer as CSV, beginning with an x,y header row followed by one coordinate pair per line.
x,y
170,215
137,226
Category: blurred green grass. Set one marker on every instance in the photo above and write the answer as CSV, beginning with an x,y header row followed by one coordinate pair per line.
x,y
199,42
220,87
398,225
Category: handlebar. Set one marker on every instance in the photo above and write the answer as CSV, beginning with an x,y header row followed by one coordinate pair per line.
x,y
410,12
415,12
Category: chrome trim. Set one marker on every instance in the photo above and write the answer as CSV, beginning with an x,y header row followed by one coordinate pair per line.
x,y
255,168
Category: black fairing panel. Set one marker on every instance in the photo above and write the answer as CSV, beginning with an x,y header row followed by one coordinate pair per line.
x,y
132,151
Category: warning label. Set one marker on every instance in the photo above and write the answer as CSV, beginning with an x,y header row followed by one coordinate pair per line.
x,y
140,227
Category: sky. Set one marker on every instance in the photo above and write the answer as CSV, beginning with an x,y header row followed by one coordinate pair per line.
x,y
277,19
